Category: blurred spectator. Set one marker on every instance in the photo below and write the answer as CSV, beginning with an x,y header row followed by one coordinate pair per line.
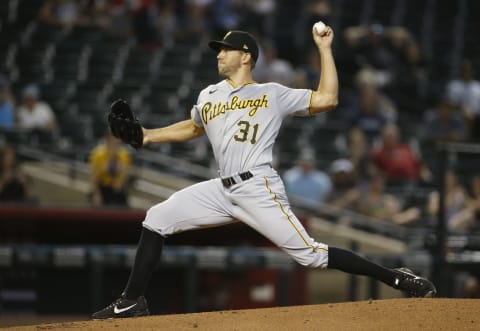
x,y
7,108
472,286
396,161
455,204
64,13
259,16
465,93
270,68
344,184
224,16
410,73
473,201
443,124
34,113
168,20
375,202
196,18
311,12
308,74
120,19
318,10
14,184
94,13
466,222
355,148
365,80
305,185
110,165
146,24
467,218
358,152
370,111
382,49
368,47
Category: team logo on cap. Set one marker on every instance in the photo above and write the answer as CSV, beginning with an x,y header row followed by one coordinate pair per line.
x,y
228,33
245,46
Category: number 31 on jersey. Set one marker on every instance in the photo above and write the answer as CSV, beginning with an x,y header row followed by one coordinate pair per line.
x,y
244,133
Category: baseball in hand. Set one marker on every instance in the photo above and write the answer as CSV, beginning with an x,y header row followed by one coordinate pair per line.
x,y
319,27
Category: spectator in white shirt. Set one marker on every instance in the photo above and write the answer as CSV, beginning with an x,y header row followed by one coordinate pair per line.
x,y
465,94
34,114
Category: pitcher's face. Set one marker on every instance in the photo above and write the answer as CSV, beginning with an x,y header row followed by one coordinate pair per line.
x,y
229,61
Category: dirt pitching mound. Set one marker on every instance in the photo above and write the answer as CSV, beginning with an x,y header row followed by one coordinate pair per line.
x,y
392,314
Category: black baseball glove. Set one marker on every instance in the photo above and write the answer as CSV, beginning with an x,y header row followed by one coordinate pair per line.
x,y
124,125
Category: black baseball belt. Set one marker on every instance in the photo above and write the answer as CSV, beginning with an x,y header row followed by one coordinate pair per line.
x,y
229,181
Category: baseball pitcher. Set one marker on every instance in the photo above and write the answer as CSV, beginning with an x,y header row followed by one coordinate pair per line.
x,y
242,119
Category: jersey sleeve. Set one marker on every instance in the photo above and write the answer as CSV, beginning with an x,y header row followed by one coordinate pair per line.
x,y
195,116
195,112
293,101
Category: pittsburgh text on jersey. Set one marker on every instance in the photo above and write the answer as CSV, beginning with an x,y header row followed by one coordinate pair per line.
x,y
212,110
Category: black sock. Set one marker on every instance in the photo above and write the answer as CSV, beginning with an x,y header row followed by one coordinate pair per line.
x,y
352,263
148,255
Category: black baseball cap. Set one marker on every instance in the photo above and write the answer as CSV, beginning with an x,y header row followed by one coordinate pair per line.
x,y
239,40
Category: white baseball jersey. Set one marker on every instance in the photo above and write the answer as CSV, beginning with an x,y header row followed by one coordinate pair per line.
x,y
242,124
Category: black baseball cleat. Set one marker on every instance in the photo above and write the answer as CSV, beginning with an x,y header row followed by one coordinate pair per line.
x,y
122,307
413,285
